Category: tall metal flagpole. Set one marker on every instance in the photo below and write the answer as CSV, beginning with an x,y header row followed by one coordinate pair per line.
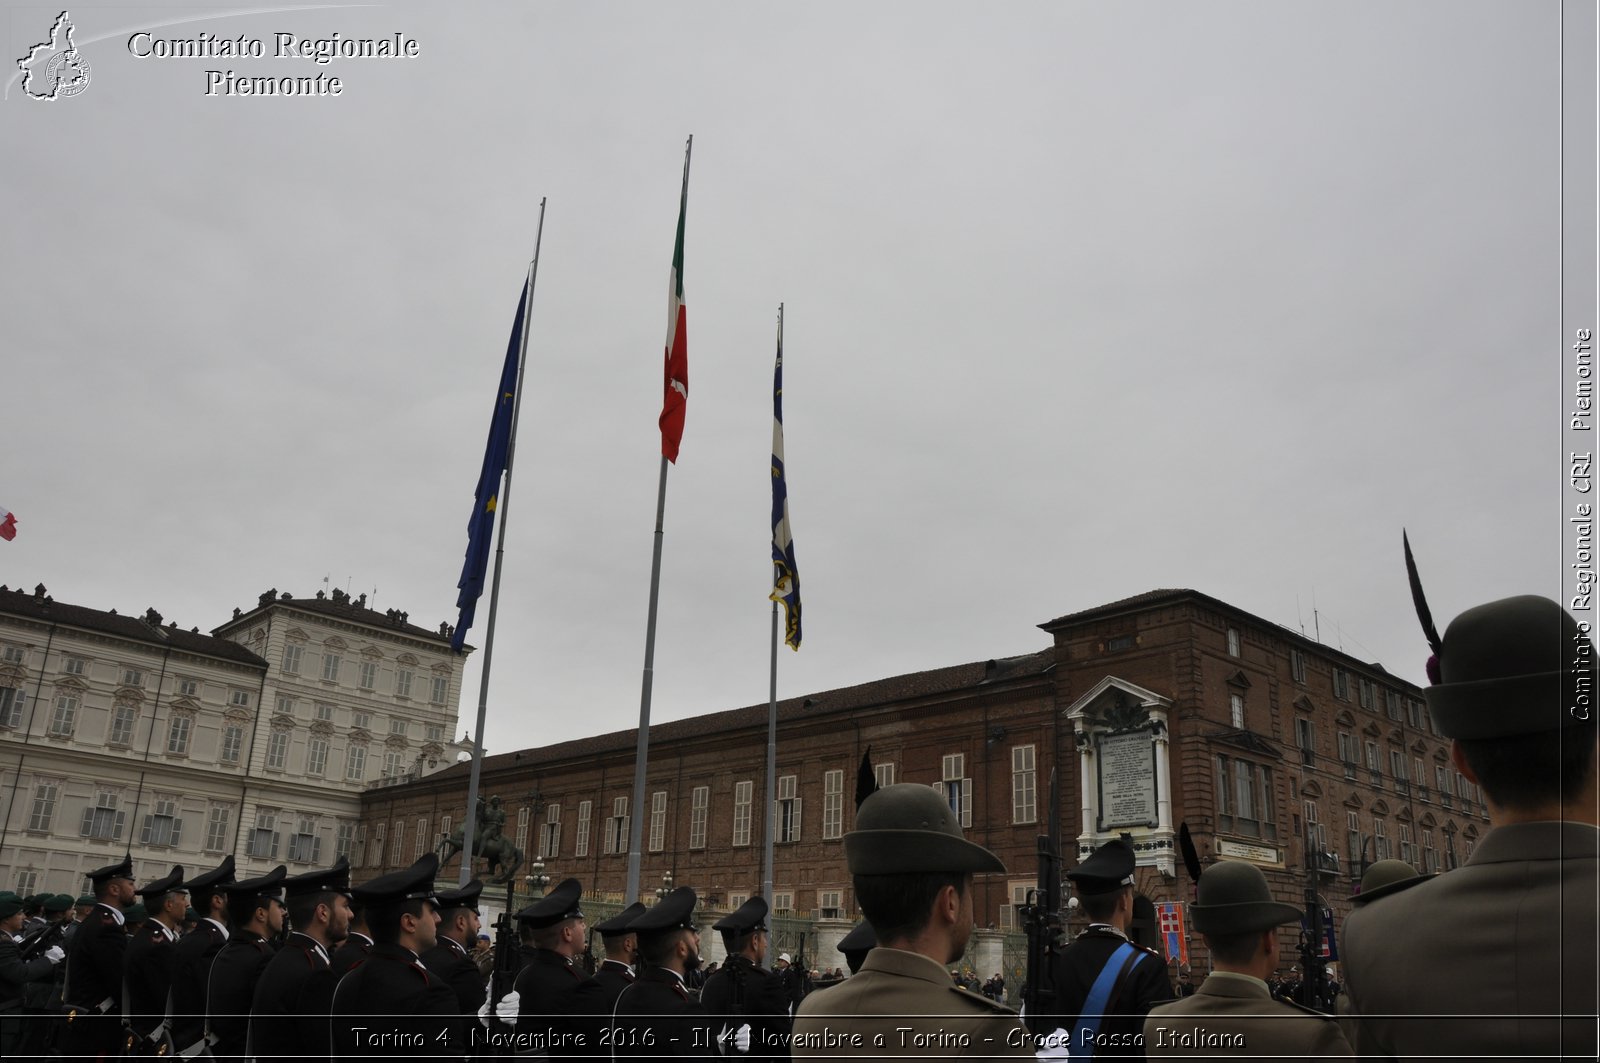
x,y
503,511
772,727
642,752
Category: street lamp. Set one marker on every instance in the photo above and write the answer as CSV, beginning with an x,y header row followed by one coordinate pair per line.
x,y
665,887
536,879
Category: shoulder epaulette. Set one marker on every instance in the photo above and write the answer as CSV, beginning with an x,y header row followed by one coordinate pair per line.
x,y
982,1001
1313,1012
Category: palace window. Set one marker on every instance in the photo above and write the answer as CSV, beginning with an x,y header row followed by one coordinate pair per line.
x,y
743,797
832,804
699,804
788,810
956,787
658,821
550,833
1024,794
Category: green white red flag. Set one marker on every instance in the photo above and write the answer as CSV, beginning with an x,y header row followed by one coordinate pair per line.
x,y
675,390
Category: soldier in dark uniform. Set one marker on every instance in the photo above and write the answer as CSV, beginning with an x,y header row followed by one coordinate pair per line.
x,y
134,917
191,974
15,974
1106,1014
1235,913
255,911
293,996
450,958
856,944
147,966
656,1017
555,926
593,1001
356,944
94,968
913,875
748,1008
390,1006
41,996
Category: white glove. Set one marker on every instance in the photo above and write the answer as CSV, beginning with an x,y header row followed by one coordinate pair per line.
x,y
1055,1046
506,1010
483,1013
731,1040
54,954
741,1038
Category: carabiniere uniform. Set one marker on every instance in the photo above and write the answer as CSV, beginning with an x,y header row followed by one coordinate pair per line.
x,y
293,996
239,965
390,1006
147,974
450,961
1116,1026
191,973
548,980
593,1001
94,975
740,993
656,1017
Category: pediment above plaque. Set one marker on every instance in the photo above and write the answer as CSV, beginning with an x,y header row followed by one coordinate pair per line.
x,y
1372,730
1428,821
1419,747
1304,704
1311,789
322,727
1353,800
1345,718
1380,807
1239,679
1117,705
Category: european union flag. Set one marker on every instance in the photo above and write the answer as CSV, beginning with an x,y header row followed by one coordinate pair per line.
x,y
480,527
786,577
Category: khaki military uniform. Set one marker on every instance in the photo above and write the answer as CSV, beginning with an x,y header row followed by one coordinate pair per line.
x,y
903,1004
1234,1016
1479,961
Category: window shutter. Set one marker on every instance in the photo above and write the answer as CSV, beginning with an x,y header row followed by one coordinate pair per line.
x,y
966,802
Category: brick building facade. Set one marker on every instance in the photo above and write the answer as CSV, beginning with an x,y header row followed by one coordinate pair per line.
x,y
1168,708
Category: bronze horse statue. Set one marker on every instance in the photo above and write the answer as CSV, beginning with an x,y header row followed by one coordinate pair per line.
x,y
488,844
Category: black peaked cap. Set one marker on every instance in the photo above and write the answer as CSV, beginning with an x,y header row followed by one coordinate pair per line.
x,y
558,905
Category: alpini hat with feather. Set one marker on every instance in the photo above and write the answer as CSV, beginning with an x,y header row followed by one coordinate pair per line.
x,y
908,828
1510,667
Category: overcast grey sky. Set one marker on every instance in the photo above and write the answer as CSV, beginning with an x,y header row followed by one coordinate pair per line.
x,y
1082,300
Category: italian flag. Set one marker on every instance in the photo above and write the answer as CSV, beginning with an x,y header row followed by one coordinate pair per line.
x,y
8,524
675,390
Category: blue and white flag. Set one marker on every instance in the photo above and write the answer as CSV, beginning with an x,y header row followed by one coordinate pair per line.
x,y
786,576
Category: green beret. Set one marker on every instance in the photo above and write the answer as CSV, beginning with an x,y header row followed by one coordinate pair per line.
x,y
85,901
135,913
10,906
57,903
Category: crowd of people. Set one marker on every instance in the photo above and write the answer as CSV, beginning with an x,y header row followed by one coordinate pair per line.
x,y
1492,958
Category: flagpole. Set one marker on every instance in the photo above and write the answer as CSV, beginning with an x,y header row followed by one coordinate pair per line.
x,y
642,751
503,511
772,726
